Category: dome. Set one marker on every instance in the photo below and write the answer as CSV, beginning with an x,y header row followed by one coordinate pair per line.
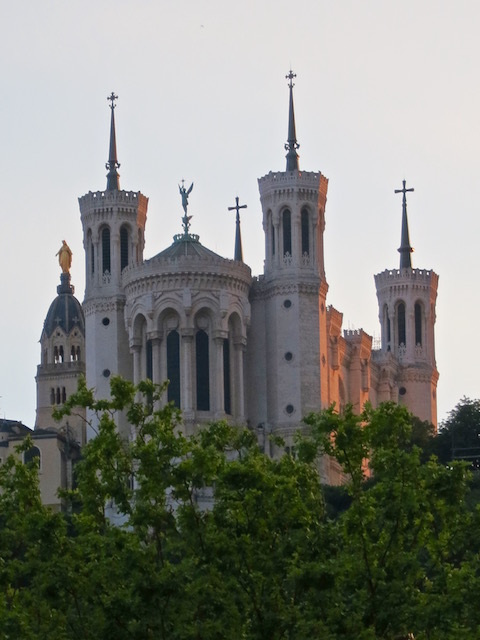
x,y
186,245
65,311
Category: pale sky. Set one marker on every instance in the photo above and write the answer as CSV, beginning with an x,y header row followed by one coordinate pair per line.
x,y
385,91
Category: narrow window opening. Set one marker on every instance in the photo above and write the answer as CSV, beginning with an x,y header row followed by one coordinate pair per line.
x,y
402,340
149,360
203,373
106,266
305,233
418,325
123,248
287,233
173,367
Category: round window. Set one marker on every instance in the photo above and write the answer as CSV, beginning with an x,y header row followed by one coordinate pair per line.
x,y
106,322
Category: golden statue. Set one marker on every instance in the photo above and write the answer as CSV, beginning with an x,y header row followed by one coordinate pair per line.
x,y
65,257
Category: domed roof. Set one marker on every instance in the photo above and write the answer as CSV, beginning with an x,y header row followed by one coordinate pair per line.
x,y
65,311
186,245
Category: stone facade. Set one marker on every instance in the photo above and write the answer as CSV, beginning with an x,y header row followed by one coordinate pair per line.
x,y
258,351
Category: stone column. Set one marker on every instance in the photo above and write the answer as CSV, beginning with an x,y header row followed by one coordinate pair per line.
x,y
136,351
239,347
217,370
186,372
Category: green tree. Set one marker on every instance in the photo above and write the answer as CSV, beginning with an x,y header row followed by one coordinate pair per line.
x,y
213,539
459,435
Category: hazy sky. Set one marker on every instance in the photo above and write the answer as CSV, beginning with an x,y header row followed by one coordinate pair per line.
x,y
385,91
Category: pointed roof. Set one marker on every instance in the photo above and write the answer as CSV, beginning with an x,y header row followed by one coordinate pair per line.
x,y
405,248
113,177
292,144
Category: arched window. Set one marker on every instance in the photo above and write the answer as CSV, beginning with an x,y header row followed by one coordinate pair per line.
x,y
418,324
402,338
32,454
55,355
61,355
203,371
58,398
227,394
64,394
287,232
52,396
305,232
77,353
124,241
106,265
173,367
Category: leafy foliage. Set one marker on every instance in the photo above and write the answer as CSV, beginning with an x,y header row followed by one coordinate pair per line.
x,y
205,537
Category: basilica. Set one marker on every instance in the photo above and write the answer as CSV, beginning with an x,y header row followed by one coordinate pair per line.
x,y
260,351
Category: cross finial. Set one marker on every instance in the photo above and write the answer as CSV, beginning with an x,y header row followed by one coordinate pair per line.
x,y
404,190
290,78
237,207
111,98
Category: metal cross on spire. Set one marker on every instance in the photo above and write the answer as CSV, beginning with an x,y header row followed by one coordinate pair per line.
x,y
405,249
238,238
113,178
290,78
111,98
292,144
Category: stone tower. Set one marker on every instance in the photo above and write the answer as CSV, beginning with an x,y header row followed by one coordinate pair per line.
x,y
288,341
62,360
113,236
406,300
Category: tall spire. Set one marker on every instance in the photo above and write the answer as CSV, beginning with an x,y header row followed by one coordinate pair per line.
x,y
292,144
238,238
405,249
113,177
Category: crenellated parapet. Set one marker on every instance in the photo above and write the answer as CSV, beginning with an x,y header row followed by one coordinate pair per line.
x,y
105,206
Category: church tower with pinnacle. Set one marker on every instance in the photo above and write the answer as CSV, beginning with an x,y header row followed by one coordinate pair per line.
x,y
289,315
406,300
113,222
